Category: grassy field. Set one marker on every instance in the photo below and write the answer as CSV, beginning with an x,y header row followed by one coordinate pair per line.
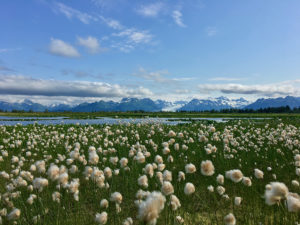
x,y
59,174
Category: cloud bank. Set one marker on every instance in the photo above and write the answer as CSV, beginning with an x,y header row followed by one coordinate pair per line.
x,y
279,89
61,48
22,85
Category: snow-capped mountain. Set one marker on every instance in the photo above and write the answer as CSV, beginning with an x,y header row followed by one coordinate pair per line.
x,y
149,105
214,104
292,102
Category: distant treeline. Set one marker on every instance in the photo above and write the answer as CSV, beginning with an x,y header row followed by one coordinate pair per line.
x,y
282,109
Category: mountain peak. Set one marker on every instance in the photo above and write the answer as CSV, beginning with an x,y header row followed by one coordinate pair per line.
x,y
27,101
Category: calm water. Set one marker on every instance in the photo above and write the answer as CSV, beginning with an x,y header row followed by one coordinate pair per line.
x,y
103,120
31,118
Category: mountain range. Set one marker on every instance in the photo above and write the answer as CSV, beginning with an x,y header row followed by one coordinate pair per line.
x,y
148,105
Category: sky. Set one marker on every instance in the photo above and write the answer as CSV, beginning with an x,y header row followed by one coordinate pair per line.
x,y
69,51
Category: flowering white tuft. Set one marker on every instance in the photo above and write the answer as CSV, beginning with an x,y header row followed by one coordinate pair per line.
x,y
189,189
247,181
31,199
149,169
171,134
101,218
210,188
174,202
123,162
230,219
293,202
116,197
181,176
40,183
140,157
107,172
220,190
143,181
234,175
258,174
104,203
275,192
207,168
295,183
220,179
158,159
167,175
237,201
179,220
190,168
53,172
14,214
63,179
93,157
149,210
128,221
56,197
167,188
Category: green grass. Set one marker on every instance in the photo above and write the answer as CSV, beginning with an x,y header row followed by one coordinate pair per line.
x,y
257,148
85,115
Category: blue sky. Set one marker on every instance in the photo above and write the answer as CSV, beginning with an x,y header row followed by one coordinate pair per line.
x,y
86,50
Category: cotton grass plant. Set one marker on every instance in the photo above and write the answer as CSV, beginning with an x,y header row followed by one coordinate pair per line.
x,y
239,172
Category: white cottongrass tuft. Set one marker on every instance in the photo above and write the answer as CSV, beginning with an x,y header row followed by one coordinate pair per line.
x,y
174,202
234,175
220,179
53,172
150,209
143,181
167,188
104,203
295,183
179,220
230,219
101,218
93,157
293,202
40,183
237,201
128,221
14,214
258,174
221,190
189,188
116,197
190,168
247,181
207,168
181,176
275,192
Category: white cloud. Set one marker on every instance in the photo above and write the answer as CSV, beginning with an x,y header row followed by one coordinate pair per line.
x,y
278,89
129,37
61,48
90,43
225,79
211,31
151,10
4,50
135,36
23,85
159,76
69,12
112,23
177,16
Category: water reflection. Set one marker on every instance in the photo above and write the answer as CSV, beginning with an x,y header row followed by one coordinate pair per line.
x,y
10,121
